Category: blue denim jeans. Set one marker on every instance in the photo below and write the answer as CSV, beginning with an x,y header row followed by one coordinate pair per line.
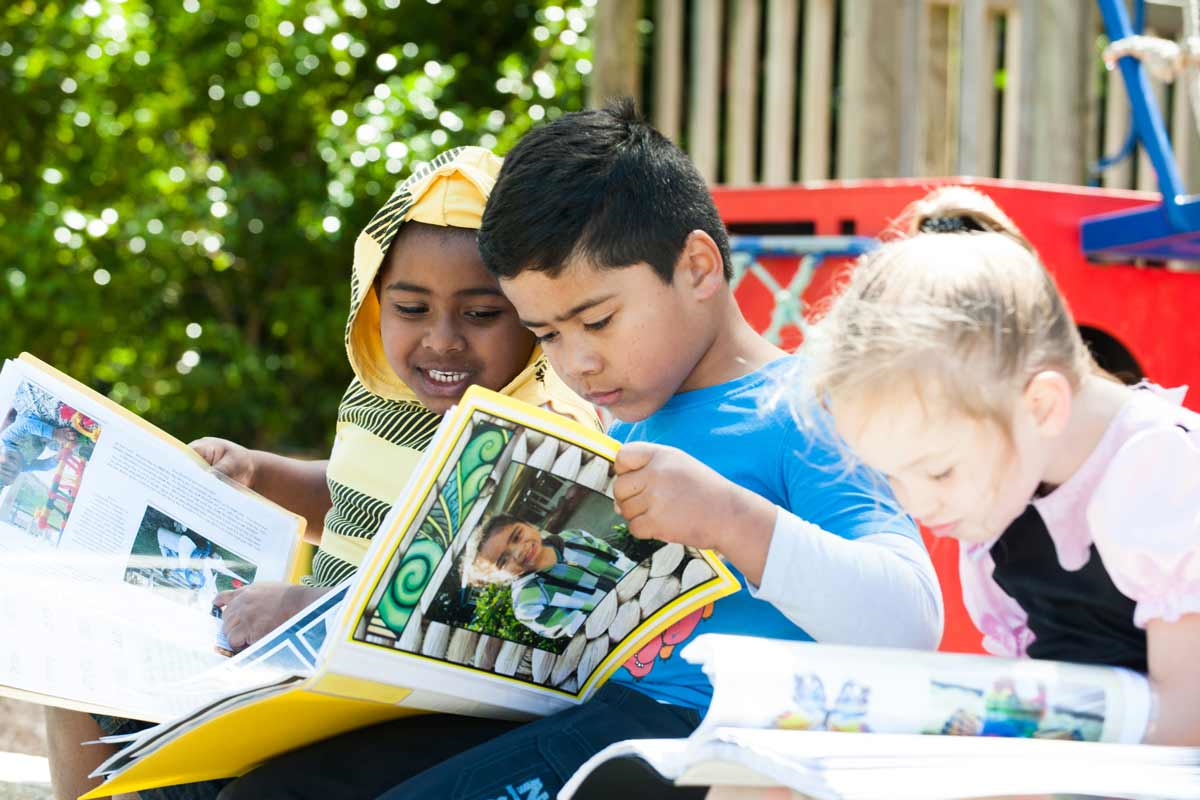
x,y
535,760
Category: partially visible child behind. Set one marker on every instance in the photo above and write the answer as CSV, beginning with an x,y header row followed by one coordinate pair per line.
x,y
952,365
426,321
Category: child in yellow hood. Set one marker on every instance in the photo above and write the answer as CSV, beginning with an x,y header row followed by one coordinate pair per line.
x,y
426,321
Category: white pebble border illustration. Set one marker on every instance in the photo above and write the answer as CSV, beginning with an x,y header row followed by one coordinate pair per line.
x,y
672,570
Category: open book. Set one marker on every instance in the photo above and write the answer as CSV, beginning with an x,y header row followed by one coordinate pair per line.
x,y
114,540
502,584
847,722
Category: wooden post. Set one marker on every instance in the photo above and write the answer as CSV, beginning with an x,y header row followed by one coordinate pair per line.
x,y
1118,123
741,109
1184,134
668,68
937,96
973,95
779,110
868,146
1147,178
1060,62
816,89
914,69
703,107
617,58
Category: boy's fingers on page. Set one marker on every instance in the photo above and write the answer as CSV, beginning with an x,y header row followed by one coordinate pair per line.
x,y
632,507
628,486
644,526
633,456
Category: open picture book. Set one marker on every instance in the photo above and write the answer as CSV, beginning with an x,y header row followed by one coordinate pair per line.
x,y
501,584
114,540
881,724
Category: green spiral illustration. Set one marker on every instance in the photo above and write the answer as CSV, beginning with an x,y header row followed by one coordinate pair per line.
x,y
397,603
440,526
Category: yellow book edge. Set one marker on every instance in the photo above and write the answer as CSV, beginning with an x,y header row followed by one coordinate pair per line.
x,y
237,741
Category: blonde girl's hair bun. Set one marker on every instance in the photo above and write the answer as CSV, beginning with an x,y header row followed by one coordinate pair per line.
x,y
959,209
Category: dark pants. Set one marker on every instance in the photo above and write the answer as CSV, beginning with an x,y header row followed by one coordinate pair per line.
x,y
456,758
534,761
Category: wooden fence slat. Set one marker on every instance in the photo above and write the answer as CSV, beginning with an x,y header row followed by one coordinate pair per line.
x,y
870,98
703,109
816,91
1061,63
1184,135
779,107
937,102
910,84
1117,125
668,67
972,95
616,55
988,114
1011,99
741,108
1147,179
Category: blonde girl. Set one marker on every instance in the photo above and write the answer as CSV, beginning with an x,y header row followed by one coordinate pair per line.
x,y
951,365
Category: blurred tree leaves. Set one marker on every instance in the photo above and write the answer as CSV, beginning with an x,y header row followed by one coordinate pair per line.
x,y
181,182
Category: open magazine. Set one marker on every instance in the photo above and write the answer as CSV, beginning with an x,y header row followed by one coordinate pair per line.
x,y
114,540
849,722
502,584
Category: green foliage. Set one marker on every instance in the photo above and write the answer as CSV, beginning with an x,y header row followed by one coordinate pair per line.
x,y
494,616
181,182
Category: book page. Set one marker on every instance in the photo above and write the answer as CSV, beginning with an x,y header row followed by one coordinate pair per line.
x,y
505,577
885,767
759,683
114,541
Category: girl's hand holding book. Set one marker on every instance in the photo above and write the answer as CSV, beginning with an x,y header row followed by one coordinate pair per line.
x,y
228,458
254,611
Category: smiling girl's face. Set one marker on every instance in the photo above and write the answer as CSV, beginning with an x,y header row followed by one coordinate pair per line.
x,y
444,323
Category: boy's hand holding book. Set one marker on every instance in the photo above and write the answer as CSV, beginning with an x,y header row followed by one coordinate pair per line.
x,y
668,495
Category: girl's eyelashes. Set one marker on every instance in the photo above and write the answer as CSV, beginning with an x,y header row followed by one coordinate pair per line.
x,y
544,338
409,310
483,314
941,476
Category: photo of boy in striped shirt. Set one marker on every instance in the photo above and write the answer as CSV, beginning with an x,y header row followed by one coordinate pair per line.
x,y
557,579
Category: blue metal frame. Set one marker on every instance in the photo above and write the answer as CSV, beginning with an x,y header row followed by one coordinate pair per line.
x,y
1126,150
824,246
1170,229
788,300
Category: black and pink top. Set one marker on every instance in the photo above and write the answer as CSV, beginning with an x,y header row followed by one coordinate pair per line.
x,y
1078,576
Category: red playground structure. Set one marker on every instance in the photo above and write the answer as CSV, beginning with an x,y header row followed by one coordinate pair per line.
x,y
793,242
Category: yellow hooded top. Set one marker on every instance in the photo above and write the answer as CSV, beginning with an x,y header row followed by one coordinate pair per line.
x,y
382,428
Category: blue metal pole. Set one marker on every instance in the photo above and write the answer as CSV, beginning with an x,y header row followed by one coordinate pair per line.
x,y
1147,119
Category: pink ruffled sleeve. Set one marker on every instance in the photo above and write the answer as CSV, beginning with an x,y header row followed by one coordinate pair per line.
x,y
1001,619
1145,522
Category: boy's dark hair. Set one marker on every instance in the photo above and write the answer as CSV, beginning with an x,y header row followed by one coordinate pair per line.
x,y
599,185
